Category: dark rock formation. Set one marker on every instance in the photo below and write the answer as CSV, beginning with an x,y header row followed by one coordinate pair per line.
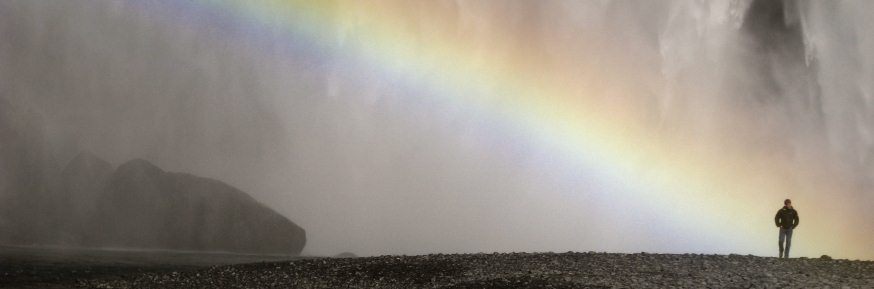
x,y
143,206
777,56
138,205
346,255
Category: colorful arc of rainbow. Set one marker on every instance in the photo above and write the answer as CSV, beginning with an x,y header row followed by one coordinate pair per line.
x,y
685,186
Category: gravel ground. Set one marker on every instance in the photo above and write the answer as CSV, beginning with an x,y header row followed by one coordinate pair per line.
x,y
55,267
52,275
518,270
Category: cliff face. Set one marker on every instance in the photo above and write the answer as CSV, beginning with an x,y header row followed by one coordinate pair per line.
x,y
143,206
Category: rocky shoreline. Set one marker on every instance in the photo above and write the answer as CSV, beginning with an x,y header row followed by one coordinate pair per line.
x,y
517,270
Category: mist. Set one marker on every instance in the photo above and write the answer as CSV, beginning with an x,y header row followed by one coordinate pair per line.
x,y
374,162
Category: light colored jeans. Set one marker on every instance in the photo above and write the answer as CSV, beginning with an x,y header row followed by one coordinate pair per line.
x,y
785,234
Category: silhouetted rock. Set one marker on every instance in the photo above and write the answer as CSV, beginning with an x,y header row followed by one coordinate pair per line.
x,y
346,255
146,207
136,206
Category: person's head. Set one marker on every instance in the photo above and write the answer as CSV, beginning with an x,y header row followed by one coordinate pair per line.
x,y
787,203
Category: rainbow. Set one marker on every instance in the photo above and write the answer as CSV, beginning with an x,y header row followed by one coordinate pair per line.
x,y
723,194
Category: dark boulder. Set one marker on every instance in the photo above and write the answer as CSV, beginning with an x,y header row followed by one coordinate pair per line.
x,y
346,255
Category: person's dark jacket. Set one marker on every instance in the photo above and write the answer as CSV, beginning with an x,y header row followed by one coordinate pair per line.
x,y
786,218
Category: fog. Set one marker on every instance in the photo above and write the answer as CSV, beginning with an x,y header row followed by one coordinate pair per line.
x,y
372,161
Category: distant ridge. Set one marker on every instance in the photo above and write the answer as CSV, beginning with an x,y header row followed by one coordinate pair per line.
x,y
143,206
91,204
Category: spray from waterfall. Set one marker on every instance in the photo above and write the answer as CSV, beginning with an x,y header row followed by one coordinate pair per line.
x,y
463,126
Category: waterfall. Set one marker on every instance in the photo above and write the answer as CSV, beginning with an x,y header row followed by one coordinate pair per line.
x,y
354,122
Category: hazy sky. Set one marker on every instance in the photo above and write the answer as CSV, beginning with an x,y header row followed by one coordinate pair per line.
x,y
398,127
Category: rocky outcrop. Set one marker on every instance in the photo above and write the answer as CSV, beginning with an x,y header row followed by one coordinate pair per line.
x,y
138,205
143,206
346,255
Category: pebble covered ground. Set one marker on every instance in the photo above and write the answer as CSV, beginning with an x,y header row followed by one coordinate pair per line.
x,y
57,267
518,270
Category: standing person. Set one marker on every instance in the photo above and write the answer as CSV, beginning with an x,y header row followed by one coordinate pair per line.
x,y
787,220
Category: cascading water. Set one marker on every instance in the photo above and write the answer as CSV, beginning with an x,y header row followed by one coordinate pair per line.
x,y
463,126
